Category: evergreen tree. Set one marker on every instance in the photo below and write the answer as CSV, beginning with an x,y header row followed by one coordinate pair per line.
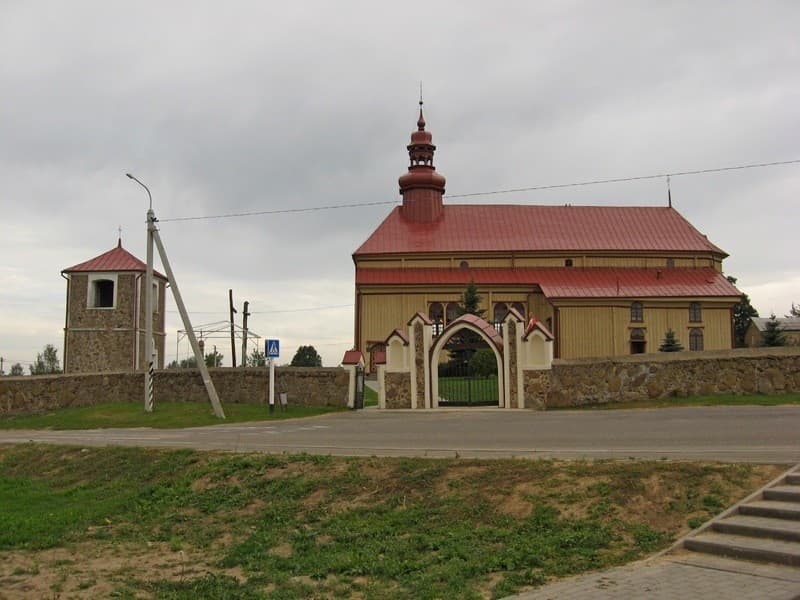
x,y
773,333
306,356
742,313
470,301
464,344
670,344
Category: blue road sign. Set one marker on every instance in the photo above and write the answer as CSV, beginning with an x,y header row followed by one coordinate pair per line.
x,y
273,348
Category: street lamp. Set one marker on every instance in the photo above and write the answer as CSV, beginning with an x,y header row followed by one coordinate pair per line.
x,y
148,303
144,186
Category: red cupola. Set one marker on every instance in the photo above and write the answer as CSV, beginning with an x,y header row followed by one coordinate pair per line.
x,y
422,187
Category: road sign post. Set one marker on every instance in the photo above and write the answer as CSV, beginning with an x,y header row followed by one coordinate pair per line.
x,y
273,351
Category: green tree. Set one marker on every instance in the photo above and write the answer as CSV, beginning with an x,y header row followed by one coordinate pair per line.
x,y
470,301
670,344
306,356
483,363
256,358
463,345
46,362
213,359
773,333
16,370
742,313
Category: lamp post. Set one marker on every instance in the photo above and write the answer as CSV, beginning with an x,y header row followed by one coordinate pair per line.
x,y
148,302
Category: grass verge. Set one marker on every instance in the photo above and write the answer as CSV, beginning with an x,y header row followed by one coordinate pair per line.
x,y
127,522
165,415
722,400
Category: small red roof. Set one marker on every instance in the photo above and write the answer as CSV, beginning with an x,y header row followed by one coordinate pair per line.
x,y
117,259
509,228
563,282
352,357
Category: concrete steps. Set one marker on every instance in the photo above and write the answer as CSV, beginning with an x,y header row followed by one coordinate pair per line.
x,y
765,527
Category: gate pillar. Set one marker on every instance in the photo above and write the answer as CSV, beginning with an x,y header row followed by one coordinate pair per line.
x,y
513,328
420,336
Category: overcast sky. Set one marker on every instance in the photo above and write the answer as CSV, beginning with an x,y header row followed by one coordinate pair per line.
x,y
231,107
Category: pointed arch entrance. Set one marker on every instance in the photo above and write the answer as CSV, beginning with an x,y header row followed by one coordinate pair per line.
x,y
487,334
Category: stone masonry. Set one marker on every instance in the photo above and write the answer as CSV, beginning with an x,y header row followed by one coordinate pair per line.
x,y
304,386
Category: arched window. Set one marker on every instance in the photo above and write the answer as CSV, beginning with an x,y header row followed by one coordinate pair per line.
x,y
637,312
695,339
500,310
520,308
452,312
101,292
638,342
695,313
436,314
568,262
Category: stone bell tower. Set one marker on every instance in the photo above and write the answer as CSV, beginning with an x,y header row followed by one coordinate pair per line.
x,y
105,318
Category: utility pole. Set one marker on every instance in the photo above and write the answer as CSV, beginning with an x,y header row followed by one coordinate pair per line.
x,y
148,303
1,366
245,314
154,237
233,335
187,325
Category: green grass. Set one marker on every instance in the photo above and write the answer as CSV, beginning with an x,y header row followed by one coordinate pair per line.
x,y
370,396
469,390
166,415
310,526
722,400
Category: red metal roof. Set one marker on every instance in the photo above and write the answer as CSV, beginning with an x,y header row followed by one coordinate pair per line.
x,y
117,259
352,357
508,228
563,282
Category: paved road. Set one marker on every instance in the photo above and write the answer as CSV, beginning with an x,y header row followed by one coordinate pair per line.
x,y
743,433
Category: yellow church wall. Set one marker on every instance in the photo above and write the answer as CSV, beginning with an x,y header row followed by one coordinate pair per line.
x,y
585,330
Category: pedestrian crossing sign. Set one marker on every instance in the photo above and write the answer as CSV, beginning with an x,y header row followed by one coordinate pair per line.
x,y
273,348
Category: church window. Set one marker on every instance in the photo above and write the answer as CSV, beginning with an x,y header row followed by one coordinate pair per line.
x,y
670,263
568,262
695,339
500,310
520,308
102,292
637,312
695,313
464,264
452,312
436,314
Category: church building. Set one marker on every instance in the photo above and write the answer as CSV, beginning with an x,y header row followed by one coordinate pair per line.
x,y
105,319
605,280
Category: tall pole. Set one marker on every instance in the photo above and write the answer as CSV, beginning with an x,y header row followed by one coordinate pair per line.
x,y
148,303
245,314
187,325
233,335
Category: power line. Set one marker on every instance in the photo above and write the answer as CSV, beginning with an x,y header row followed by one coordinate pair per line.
x,y
269,312
492,192
623,179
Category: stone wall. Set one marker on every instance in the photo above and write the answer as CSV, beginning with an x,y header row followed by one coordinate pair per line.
x,y
536,385
304,386
679,374
398,390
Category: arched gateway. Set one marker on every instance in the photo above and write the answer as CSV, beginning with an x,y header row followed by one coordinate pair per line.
x,y
409,376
